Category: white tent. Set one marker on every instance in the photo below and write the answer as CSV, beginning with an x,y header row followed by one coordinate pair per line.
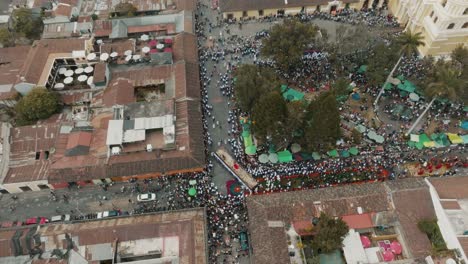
x,y
352,247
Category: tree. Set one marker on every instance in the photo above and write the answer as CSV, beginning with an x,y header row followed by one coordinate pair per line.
x,y
6,38
25,24
269,116
340,87
287,42
94,17
356,136
125,9
329,234
252,82
295,119
460,56
323,122
409,44
38,104
446,84
381,57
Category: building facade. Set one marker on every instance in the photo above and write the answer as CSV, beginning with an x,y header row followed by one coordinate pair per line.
x,y
443,23
243,9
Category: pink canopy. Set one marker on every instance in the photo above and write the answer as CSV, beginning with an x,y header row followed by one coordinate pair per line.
x,y
388,255
168,41
365,241
395,246
167,50
153,43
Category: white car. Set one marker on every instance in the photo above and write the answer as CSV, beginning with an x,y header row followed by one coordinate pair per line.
x,y
146,197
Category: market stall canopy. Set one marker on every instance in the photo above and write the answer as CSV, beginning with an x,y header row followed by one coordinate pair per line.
x,y
407,86
454,138
285,156
192,191
88,69
104,57
362,69
144,37
91,56
128,52
316,156
394,81
396,247
145,49
353,151
68,80
251,150
295,148
62,70
361,128
464,125
345,154
79,71
388,256
153,43
263,158
414,138
114,54
248,141
273,157
333,153
59,86
69,73
82,78
245,133
414,97
365,241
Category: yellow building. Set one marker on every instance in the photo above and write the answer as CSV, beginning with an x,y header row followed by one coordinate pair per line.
x,y
259,8
443,23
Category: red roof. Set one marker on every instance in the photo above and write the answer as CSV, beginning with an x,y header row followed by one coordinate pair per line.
x,y
359,221
303,228
79,139
63,10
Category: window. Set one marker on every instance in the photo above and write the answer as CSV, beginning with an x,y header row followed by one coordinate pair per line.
x,y
43,186
444,3
46,156
230,16
466,11
25,189
435,20
432,14
260,12
38,155
2,191
452,25
465,25
244,13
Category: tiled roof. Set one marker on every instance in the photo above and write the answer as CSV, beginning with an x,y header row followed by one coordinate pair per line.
x,y
102,28
11,63
358,221
40,51
63,10
269,243
118,46
185,48
244,5
119,92
451,187
99,74
412,206
79,138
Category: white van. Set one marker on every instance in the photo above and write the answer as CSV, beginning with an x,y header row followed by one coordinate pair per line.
x,y
60,218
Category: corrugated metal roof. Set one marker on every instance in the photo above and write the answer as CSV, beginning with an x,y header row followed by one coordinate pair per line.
x,y
114,132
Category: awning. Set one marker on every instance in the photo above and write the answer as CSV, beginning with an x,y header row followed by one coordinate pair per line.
x,y
345,154
295,148
251,150
285,156
263,158
454,138
316,156
273,158
333,153
353,151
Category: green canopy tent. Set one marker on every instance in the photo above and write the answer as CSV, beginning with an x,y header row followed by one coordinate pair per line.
x,y
251,150
192,191
263,158
411,144
333,153
273,158
284,156
361,128
388,87
424,138
353,151
345,154
362,69
248,141
295,148
401,77
245,133
316,156
293,95
419,145
306,156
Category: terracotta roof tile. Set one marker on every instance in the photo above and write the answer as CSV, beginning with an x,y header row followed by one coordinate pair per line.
x,y
185,48
451,187
99,72
119,92
80,138
63,10
118,46
359,221
11,63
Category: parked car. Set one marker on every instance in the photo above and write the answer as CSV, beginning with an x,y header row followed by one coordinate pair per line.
x,y
107,214
243,241
146,197
36,220
60,218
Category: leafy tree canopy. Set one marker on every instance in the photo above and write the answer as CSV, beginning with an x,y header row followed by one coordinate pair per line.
x,y
6,38
323,122
125,9
380,62
269,116
329,235
252,82
460,56
287,42
409,42
25,24
37,104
